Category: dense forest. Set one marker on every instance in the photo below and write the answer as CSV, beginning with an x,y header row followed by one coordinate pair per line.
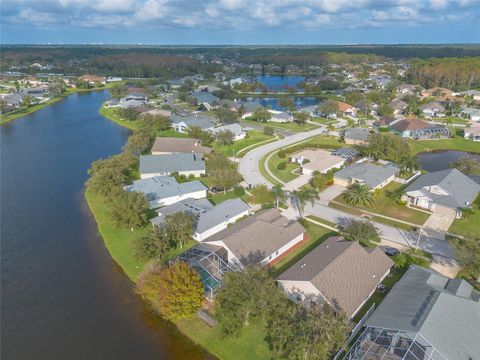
x,y
452,73
310,59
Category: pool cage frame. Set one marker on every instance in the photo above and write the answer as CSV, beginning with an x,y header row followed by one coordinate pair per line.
x,y
431,133
211,264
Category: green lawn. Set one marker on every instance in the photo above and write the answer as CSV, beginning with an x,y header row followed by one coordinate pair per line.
x,y
250,344
455,120
263,171
117,239
379,219
322,221
111,114
387,206
469,225
253,138
221,197
283,175
291,126
316,233
457,143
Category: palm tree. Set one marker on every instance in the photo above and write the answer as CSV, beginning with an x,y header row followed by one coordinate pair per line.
x,y
359,194
409,163
279,195
300,198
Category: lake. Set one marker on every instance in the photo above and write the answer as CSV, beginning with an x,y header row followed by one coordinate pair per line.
x,y
279,83
63,296
273,103
441,159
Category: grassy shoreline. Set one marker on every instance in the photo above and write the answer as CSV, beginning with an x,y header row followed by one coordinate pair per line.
x,y
16,114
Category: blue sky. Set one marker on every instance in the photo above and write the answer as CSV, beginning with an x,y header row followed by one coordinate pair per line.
x,y
217,22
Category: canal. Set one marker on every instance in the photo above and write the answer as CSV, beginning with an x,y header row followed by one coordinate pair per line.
x,y
62,296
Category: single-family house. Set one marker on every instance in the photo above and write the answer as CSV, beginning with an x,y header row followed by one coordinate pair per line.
x,y
14,100
384,121
398,106
419,129
206,99
375,176
280,116
165,190
317,160
346,109
471,113
262,238
311,110
475,94
158,112
235,128
444,192
182,123
182,163
340,272
229,104
407,88
137,95
131,103
472,133
35,92
356,136
92,79
366,107
250,107
237,81
210,219
112,103
424,316
171,145
433,109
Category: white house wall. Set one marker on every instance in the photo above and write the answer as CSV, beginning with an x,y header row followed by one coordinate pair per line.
x,y
217,228
174,199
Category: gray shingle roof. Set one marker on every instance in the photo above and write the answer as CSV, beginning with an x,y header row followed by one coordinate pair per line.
x,y
361,134
251,106
208,215
368,173
204,97
202,121
447,315
343,271
235,128
260,235
460,188
170,163
161,187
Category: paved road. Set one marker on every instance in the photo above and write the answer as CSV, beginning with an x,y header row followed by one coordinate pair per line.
x,y
248,166
429,241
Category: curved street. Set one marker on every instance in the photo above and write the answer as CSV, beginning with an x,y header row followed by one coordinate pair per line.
x,y
248,165
430,241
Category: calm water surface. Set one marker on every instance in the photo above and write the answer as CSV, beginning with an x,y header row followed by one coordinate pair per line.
x,y
62,296
298,101
280,82
440,160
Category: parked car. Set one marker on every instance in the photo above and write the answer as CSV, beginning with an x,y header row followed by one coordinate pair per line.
x,y
215,190
381,288
390,251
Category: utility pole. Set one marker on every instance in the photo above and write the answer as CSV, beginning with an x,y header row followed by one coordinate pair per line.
x,y
418,238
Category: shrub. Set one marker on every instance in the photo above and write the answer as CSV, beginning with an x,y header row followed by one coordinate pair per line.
x,y
400,260
282,165
282,154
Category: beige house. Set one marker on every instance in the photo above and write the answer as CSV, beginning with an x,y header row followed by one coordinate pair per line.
x,y
317,160
170,145
340,272
262,238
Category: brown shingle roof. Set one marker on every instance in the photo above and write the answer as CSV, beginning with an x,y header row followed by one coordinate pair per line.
x,y
343,271
179,145
409,124
260,235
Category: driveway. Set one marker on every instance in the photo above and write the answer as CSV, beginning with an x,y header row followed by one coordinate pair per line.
x,y
440,222
248,166
330,193
297,183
